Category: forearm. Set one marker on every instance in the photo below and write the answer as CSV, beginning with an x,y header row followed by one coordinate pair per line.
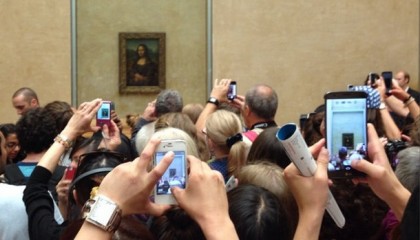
x,y
309,225
396,106
414,109
89,231
201,121
398,199
391,129
221,229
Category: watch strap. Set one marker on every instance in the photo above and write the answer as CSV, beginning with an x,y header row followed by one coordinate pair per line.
x,y
93,205
213,100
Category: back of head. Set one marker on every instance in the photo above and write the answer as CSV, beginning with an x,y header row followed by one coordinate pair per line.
x,y
224,128
263,101
193,111
171,133
255,213
36,130
168,101
267,146
415,132
269,176
61,112
176,224
408,168
183,122
7,128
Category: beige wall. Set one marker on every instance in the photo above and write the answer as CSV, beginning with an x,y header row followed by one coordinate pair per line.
x,y
35,51
184,23
306,48
301,48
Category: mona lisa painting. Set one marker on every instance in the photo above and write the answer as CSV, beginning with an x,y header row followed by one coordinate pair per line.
x,y
142,62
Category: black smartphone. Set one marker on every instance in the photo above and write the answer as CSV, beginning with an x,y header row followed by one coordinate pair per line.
x,y
345,131
232,91
372,79
387,76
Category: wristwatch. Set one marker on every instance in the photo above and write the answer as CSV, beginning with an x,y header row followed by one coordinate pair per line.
x,y
213,100
103,213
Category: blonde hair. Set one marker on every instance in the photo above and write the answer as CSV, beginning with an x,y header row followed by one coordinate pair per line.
x,y
193,111
222,125
171,133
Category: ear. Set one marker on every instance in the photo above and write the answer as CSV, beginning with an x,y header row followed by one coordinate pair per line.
x,y
34,102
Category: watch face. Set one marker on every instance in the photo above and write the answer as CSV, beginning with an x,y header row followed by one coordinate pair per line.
x,y
102,211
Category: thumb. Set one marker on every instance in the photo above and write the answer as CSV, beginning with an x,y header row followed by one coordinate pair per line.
x,y
363,166
178,193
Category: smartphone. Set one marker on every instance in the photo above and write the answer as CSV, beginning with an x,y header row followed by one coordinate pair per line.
x,y
103,116
372,79
345,131
232,91
69,173
175,175
387,76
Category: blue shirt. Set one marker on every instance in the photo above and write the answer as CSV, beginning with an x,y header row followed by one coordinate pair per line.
x,y
220,165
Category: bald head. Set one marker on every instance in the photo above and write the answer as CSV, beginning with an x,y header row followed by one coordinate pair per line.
x,y
24,99
262,101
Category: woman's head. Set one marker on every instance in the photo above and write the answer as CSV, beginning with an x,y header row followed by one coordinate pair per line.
x,y
92,168
171,133
255,212
266,146
11,140
176,224
142,50
223,131
408,168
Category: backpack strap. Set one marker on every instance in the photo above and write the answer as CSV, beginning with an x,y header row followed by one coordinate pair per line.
x,y
13,175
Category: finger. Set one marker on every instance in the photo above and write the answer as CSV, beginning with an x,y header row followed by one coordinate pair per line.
x,y
160,168
316,148
322,163
147,154
364,166
179,194
375,149
197,165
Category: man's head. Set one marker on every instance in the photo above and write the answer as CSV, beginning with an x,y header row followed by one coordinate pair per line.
x,y
260,104
168,101
36,130
403,79
24,99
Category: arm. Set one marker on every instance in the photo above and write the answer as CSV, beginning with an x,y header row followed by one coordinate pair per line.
x,y
38,202
311,194
219,92
148,116
380,177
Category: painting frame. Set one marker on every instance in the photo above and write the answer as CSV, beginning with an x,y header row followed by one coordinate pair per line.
x,y
142,62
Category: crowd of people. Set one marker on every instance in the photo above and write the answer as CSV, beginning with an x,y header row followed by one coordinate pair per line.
x,y
64,177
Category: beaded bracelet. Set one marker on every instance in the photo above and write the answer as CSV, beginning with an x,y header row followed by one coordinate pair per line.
x,y
410,100
407,99
63,140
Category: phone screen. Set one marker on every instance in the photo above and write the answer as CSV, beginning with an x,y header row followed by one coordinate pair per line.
x,y
346,131
174,176
232,90
103,116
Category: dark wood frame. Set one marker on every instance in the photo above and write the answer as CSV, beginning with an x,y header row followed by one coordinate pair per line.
x,y
126,43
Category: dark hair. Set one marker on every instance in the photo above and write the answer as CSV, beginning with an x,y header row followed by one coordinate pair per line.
x,y
363,210
61,112
92,164
262,101
176,224
255,212
29,93
168,101
7,128
267,146
36,130
311,129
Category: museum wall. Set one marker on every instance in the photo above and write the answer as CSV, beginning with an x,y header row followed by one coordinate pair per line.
x,y
35,51
303,49
306,48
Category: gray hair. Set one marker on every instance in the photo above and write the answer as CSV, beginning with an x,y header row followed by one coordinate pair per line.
x,y
262,101
408,168
168,101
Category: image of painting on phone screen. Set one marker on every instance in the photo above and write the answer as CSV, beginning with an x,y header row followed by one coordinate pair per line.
x,y
175,174
346,132
104,113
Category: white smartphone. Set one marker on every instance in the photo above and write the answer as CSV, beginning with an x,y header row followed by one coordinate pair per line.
x,y
175,175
